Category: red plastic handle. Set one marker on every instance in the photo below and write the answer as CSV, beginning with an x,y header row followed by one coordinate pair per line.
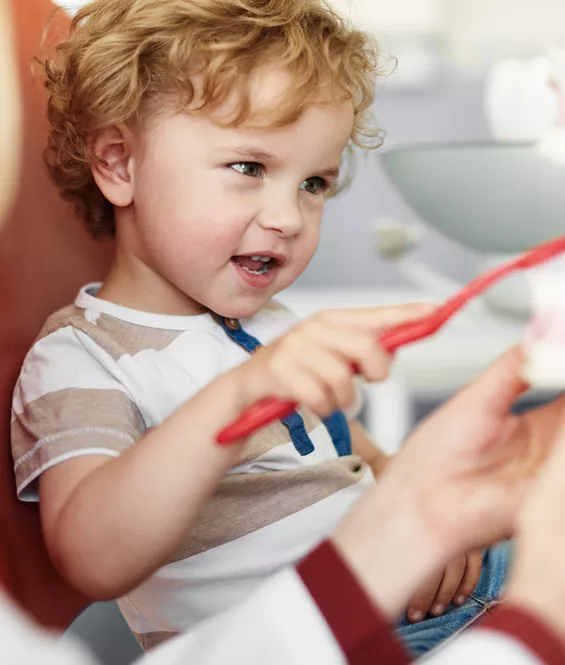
x,y
255,417
412,331
271,408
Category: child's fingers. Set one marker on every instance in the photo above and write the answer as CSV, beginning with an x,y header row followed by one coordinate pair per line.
x,y
360,349
305,387
326,348
422,601
471,578
333,373
452,577
375,318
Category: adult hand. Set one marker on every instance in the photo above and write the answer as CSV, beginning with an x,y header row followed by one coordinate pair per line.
x,y
538,575
455,486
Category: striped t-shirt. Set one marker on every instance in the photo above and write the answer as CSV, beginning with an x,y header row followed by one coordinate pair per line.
x,y
99,376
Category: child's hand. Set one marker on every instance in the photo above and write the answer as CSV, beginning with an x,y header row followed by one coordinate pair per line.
x,y
312,364
453,585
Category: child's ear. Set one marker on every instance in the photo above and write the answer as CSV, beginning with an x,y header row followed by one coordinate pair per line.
x,y
112,168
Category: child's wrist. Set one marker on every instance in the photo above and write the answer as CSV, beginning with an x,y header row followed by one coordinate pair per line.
x,y
248,384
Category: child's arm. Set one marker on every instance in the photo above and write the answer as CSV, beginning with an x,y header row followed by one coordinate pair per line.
x,y
110,523
364,446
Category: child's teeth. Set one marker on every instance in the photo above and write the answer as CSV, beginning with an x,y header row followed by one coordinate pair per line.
x,y
264,259
256,272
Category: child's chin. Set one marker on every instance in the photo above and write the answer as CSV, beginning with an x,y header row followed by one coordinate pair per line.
x,y
242,310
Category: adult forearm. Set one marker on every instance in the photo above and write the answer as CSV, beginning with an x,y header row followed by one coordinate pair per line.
x,y
386,544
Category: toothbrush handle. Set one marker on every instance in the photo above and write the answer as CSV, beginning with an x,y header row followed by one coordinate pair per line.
x,y
255,417
271,408
406,333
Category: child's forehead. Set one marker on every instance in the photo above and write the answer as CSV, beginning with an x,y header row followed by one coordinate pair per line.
x,y
317,138
273,112
268,91
266,124
268,87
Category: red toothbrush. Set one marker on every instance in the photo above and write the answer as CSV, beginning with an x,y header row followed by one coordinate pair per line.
x,y
272,408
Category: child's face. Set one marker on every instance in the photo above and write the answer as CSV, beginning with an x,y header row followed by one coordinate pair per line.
x,y
207,198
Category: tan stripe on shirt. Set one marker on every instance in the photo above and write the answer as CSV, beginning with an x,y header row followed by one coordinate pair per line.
x,y
116,337
72,419
274,436
246,502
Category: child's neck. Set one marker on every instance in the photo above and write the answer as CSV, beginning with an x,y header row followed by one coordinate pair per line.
x,y
130,283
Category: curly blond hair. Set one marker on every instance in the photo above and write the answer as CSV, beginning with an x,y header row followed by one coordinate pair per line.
x,y
121,55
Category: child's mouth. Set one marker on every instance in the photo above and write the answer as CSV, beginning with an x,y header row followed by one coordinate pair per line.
x,y
256,264
258,270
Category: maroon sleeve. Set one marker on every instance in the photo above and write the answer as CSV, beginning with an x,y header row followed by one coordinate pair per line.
x,y
539,638
362,633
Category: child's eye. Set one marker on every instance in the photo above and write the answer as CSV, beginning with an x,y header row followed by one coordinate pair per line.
x,y
315,185
249,169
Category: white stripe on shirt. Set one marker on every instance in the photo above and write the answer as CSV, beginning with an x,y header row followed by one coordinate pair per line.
x,y
188,591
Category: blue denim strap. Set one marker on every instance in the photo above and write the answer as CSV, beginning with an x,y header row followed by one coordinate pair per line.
x,y
297,430
233,329
339,431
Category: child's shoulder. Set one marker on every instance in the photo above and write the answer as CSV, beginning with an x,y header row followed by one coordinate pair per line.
x,y
69,316
79,339
68,324
69,341
91,328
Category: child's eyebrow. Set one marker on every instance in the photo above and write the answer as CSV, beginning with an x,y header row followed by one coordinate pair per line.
x,y
259,155
254,153
331,172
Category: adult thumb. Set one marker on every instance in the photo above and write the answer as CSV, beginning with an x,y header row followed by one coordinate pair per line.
x,y
498,387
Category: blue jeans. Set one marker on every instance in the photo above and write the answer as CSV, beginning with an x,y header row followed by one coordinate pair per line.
x,y
421,637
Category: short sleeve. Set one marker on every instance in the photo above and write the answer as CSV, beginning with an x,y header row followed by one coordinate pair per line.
x,y
68,401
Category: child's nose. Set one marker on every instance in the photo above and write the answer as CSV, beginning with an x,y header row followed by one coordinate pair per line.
x,y
284,218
